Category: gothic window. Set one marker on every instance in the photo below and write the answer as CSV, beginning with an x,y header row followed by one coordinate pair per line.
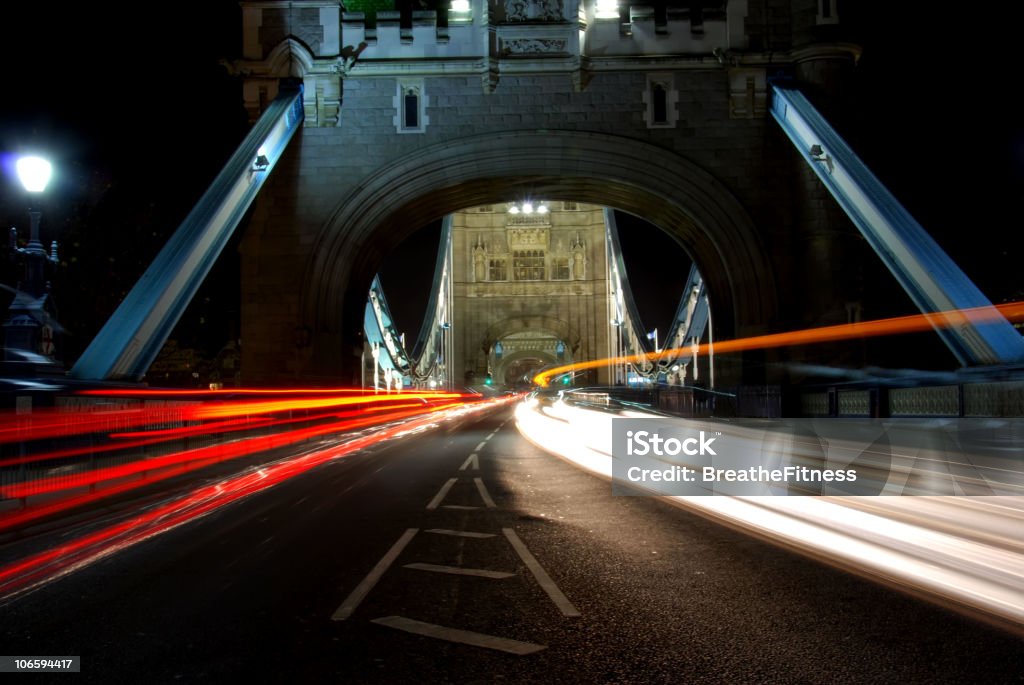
x,y
560,268
660,98
528,265
660,104
827,13
570,206
498,270
410,107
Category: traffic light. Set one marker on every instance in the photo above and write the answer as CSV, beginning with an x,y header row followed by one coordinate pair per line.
x,y
488,380
565,379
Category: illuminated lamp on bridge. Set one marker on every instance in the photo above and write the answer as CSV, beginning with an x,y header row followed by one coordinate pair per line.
x,y
29,329
528,208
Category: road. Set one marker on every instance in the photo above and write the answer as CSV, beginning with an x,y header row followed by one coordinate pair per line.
x,y
416,562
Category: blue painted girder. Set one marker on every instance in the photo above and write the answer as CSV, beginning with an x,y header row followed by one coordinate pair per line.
x,y
934,282
138,329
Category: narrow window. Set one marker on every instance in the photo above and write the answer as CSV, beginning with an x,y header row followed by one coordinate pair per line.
x,y
410,103
411,106
660,104
660,98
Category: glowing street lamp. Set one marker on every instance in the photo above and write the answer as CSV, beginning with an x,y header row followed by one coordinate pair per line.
x,y
29,329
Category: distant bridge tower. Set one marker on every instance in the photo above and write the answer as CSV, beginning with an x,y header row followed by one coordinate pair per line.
x,y
530,289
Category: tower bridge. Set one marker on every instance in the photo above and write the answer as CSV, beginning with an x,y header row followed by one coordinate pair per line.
x,y
309,532
370,127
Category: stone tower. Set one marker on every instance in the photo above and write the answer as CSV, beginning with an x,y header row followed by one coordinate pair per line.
x,y
658,110
530,290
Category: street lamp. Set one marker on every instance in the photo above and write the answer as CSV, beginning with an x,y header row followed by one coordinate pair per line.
x,y
29,329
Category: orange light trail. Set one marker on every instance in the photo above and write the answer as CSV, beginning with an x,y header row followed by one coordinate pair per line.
x,y
1013,312
228,409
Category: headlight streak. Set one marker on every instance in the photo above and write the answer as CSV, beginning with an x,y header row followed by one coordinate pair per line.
x,y
35,570
1012,311
965,551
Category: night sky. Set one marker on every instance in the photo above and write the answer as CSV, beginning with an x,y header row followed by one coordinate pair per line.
x,y
138,118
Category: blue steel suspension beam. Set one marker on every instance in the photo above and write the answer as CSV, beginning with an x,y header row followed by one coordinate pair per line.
x,y
934,282
131,339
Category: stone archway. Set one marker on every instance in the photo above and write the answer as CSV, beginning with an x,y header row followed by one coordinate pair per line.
x,y
557,328
519,368
613,171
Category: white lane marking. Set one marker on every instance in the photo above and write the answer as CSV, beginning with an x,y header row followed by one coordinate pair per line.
x,y
543,579
466,637
480,446
359,594
461,571
459,533
472,461
484,495
441,494
459,506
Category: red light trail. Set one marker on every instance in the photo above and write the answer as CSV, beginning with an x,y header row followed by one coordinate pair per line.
x,y
53,563
103,466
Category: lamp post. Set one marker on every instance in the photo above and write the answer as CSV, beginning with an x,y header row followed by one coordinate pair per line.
x,y
29,329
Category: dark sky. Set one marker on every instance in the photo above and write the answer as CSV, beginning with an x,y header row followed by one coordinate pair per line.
x,y
938,126
138,117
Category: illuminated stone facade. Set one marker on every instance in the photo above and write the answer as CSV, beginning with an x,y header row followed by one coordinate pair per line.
x,y
529,290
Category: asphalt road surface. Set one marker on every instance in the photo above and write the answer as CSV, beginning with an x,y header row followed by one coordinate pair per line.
x,y
417,562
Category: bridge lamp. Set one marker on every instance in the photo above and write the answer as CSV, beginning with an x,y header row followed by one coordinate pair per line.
x,y
28,328
34,173
528,207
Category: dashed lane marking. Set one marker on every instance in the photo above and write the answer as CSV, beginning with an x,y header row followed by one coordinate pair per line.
x,y
461,571
484,495
466,637
462,507
480,446
441,494
543,579
459,533
359,594
472,461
